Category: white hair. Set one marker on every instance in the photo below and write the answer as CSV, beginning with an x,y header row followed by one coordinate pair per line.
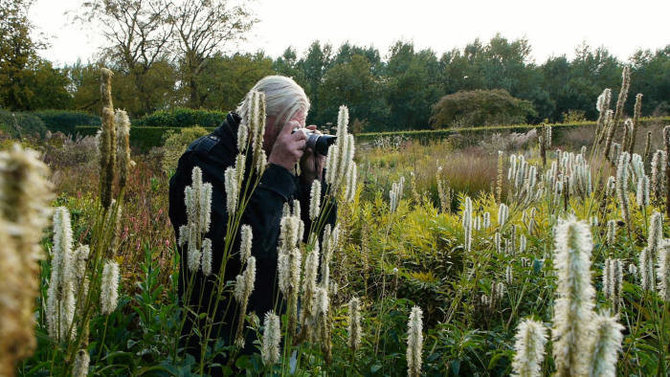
x,y
283,98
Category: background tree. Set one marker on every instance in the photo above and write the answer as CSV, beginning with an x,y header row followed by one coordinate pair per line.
x,y
202,28
413,86
352,83
139,38
26,81
226,79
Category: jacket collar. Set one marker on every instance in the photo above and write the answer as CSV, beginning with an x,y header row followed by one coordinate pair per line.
x,y
228,128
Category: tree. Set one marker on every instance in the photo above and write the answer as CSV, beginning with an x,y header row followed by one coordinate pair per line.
x,y
226,79
18,51
314,66
203,27
651,77
413,85
139,37
353,84
480,108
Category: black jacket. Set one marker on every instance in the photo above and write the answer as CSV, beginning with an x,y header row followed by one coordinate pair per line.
x,y
213,154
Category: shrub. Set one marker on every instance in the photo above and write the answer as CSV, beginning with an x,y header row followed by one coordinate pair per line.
x,y
66,121
176,143
181,117
21,124
480,108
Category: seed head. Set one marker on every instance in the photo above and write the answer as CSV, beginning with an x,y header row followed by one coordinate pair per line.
x,y
531,338
414,342
109,291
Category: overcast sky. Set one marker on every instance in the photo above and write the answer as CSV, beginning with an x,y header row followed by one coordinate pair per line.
x,y
553,27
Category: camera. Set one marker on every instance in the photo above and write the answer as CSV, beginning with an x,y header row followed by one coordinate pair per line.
x,y
318,142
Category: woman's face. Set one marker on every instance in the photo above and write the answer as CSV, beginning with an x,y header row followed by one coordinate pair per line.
x,y
273,127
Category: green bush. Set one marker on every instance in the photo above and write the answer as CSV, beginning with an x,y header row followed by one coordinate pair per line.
x,y
66,121
480,108
21,124
181,117
176,144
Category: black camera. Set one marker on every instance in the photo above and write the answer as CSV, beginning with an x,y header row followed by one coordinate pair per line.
x,y
318,142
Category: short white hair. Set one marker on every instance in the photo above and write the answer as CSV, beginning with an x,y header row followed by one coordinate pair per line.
x,y
283,98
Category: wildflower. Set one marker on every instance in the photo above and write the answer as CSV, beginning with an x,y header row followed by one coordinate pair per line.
x,y
414,342
498,240
486,221
206,263
109,290
658,163
646,261
467,223
503,213
663,271
352,176
605,346
531,337
655,232
309,282
78,266
315,200
193,253
81,363
575,296
642,194
354,324
271,339
611,232
622,186
522,244
509,277
107,139
232,190
123,153
246,236
324,324
60,294
244,286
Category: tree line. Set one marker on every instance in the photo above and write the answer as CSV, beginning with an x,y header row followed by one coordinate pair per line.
x,y
167,56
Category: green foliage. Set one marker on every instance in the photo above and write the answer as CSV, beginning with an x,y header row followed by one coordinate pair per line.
x,y
480,108
181,117
176,143
21,124
225,80
66,121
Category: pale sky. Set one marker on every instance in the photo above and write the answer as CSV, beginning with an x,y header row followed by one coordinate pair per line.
x,y
553,27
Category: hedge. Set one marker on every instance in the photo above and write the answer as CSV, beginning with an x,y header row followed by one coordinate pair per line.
x,y
21,124
441,133
142,138
181,117
65,121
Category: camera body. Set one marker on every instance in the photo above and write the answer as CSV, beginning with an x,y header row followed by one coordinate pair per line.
x,y
319,143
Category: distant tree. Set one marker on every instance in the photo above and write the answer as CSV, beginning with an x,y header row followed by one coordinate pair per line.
x,y
480,108
201,29
139,36
413,85
287,65
353,84
314,65
26,81
651,77
226,79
